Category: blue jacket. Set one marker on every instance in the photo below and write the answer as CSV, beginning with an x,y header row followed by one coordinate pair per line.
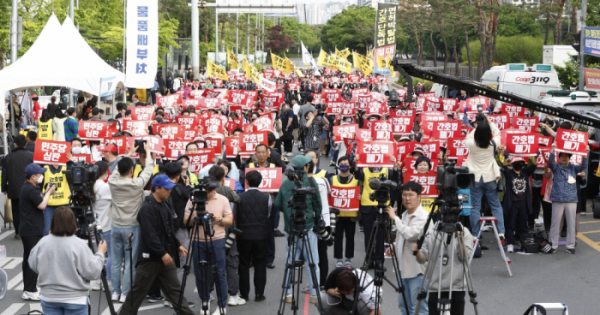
x,y
562,191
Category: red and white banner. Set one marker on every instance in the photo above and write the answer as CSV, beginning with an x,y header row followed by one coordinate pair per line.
x,y
142,113
120,142
85,158
432,103
271,179
353,78
526,123
268,85
432,116
229,183
443,130
249,141
571,141
137,128
472,104
544,156
215,144
457,147
210,103
592,78
92,129
200,159
166,131
381,130
344,199
513,110
213,125
409,163
449,104
431,149
232,147
271,101
173,148
345,131
545,141
357,92
187,121
363,101
428,181
522,144
51,152
155,142
404,148
576,159
331,95
166,101
402,125
502,121
375,154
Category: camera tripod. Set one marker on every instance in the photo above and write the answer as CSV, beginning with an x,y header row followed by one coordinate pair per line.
x,y
381,225
445,232
292,276
205,266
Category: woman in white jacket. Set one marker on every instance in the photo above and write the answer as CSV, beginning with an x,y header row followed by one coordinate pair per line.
x,y
102,204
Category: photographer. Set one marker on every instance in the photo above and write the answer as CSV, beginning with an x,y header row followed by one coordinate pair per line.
x,y
482,163
127,194
341,290
313,215
159,250
65,266
219,207
312,131
457,282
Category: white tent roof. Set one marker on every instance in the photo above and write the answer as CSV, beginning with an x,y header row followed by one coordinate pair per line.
x,y
72,64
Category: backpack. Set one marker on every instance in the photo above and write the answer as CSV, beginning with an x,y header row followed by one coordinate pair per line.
x,y
295,123
530,244
542,238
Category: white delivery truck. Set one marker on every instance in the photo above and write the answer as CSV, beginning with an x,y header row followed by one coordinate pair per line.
x,y
519,79
558,55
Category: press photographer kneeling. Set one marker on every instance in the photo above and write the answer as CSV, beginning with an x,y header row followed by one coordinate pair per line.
x,y
341,288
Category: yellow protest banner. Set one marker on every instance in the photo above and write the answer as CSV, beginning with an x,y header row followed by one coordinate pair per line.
x,y
232,60
322,56
289,66
364,64
343,54
251,71
355,60
343,64
278,63
381,62
389,66
216,71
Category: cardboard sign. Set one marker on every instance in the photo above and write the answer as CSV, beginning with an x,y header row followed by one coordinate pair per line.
x,y
409,163
92,129
215,144
443,130
249,141
200,159
85,158
375,154
404,148
522,144
142,113
173,148
381,130
263,123
331,95
513,110
212,125
344,199
187,121
502,121
232,147
428,181
155,142
137,128
357,92
120,142
51,152
457,147
166,131
271,179
526,123
571,141
432,103
363,101
344,132
449,104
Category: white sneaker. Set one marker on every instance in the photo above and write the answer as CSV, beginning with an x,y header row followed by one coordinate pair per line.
x,y
122,298
232,300
538,223
289,154
510,249
218,312
96,285
31,296
115,296
168,304
202,312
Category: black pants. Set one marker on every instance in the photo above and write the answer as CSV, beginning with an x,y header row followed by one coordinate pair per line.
x,y
536,203
145,274
255,252
288,141
29,276
271,239
344,227
154,289
547,207
457,305
369,214
16,214
323,261
516,220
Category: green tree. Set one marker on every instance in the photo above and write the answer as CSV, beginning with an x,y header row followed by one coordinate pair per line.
x,y
518,21
308,34
352,28
5,9
568,75
515,49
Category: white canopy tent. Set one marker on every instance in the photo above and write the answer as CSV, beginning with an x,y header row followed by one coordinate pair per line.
x,y
75,65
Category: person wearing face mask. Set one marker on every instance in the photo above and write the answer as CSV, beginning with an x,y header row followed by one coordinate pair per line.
x,y
517,199
31,207
54,176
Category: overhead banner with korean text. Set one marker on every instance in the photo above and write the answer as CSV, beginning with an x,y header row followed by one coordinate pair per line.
x,y
385,34
592,78
142,43
591,41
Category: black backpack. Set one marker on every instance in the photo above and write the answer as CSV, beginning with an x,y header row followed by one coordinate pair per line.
x,y
542,238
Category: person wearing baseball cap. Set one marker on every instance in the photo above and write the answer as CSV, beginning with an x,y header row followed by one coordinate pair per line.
x,y
31,228
158,250
110,153
517,198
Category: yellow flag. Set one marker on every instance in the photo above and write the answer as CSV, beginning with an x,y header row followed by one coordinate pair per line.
x,y
326,60
343,54
381,62
355,60
322,56
232,60
343,64
278,62
216,71
389,66
336,52
289,66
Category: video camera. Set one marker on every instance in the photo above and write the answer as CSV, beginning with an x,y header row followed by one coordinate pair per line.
x,y
393,98
320,110
381,190
199,200
450,179
298,200
81,178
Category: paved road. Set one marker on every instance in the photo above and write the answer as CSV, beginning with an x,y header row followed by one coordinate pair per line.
x,y
572,279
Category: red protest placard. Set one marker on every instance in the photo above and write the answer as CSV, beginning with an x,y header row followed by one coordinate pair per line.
x,y
92,129
51,152
345,131
445,129
112,127
544,156
317,98
120,142
457,147
375,108
187,134
187,121
375,154
263,124
432,116
215,144
137,128
200,159
473,102
213,125
449,104
409,163
357,92
229,183
402,125
196,94
270,101
428,181
546,141
232,147
364,100
85,158
210,93
166,131
353,78
142,113
363,134
576,159
432,103
155,142
166,101
250,140
404,148
209,103
522,144
381,130
173,148
344,199
504,133
334,108
502,121
571,141
191,102
431,150
526,123
331,95
271,179
513,110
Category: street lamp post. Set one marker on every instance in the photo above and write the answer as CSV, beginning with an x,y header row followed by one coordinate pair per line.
x,y
196,4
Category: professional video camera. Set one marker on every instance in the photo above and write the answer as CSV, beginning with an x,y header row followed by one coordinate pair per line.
x,y
450,179
381,190
81,178
199,200
393,98
298,200
320,110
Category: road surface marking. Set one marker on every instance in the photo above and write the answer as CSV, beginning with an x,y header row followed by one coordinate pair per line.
x,y
5,234
16,280
11,310
35,307
14,263
587,240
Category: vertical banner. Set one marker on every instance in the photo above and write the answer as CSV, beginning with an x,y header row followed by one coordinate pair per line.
x,y
591,41
592,78
385,34
142,43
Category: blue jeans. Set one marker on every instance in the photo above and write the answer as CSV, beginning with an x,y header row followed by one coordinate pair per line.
x,y
411,288
199,253
106,236
48,214
119,239
333,152
491,193
51,308
314,252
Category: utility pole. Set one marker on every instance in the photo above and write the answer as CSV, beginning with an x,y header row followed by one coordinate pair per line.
x,y
216,36
72,14
195,39
248,38
13,35
237,33
582,46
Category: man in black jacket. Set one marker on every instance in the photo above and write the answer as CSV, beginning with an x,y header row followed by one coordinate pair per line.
x,y
158,250
14,176
31,137
253,213
274,154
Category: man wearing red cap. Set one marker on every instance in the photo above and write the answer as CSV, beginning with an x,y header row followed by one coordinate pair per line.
x,y
110,153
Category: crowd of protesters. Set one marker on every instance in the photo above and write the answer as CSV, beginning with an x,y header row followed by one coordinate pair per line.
x,y
142,198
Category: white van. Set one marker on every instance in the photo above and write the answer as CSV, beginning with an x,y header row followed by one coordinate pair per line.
x,y
580,102
519,79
